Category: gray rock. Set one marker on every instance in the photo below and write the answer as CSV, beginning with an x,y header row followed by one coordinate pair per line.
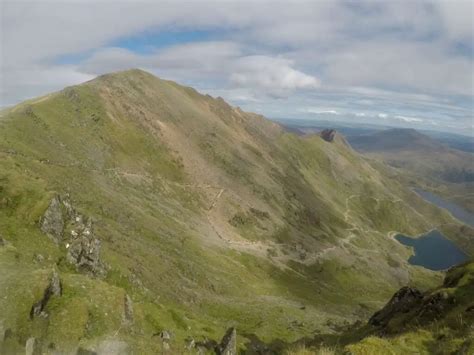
x,y
54,289
228,345
328,134
165,336
127,310
55,286
84,249
52,222
2,242
32,347
190,343
38,258
69,209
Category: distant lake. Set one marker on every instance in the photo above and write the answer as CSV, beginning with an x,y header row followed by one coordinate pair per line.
x,y
457,211
433,251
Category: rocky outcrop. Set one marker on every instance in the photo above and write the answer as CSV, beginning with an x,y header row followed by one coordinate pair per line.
x,y
52,222
328,134
228,345
54,289
435,306
83,250
402,301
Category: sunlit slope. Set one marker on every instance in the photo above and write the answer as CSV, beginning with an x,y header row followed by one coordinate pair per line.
x,y
207,217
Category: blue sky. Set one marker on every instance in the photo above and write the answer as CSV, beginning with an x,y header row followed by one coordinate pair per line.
x,y
402,63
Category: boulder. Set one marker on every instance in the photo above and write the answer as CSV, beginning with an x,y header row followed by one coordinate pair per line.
x,y
402,301
228,345
52,222
328,134
54,289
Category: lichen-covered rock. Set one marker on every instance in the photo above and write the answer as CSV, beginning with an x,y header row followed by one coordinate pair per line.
x,y
52,222
228,345
84,248
402,301
54,289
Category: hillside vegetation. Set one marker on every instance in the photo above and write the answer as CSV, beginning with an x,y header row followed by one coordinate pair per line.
x,y
138,214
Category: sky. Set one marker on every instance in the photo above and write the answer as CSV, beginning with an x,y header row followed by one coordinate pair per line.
x,y
395,62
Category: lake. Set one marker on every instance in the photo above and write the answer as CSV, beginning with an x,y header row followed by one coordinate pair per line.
x,y
457,211
433,251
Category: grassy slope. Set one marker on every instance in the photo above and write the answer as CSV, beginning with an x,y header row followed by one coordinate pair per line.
x,y
147,159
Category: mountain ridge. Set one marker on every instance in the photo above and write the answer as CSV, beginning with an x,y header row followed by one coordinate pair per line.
x,y
207,217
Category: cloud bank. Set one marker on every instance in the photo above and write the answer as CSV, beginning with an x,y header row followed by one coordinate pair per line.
x,y
406,59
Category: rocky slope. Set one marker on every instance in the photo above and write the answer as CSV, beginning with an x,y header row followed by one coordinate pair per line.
x,y
439,321
170,216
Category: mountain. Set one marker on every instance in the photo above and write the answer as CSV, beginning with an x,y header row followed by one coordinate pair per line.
x,y
414,151
139,214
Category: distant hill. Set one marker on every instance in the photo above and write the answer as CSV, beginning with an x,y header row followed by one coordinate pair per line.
x,y
350,129
417,152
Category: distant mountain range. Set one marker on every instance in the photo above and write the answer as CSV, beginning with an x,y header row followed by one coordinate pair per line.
x,y
455,141
417,152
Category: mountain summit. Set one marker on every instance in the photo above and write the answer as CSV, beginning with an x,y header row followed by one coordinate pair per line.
x,y
139,214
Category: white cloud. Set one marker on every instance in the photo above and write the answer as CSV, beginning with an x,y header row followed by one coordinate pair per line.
x,y
318,111
409,119
413,55
274,75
